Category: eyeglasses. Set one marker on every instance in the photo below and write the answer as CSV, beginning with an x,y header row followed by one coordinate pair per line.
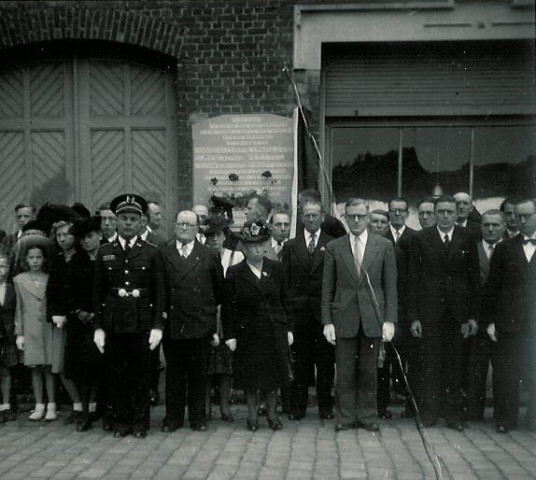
x,y
356,218
397,211
186,224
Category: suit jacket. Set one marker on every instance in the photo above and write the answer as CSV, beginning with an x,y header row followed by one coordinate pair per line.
x,y
8,242
194,289
346,298
247,297
118,272
441,279
304,277
155,239
7,314
510,298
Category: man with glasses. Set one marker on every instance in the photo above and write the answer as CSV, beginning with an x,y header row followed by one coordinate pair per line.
x,y
303,262
193,286
358,310
441,308
510,308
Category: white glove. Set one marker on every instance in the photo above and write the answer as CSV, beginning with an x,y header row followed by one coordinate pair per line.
x,y
290,338
59,320
154,338
492,333
416,329
388,331
469,328
215,340
98,339
231,343
20,342
329,333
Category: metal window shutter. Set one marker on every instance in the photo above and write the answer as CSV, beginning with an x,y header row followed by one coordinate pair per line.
x,y
496,78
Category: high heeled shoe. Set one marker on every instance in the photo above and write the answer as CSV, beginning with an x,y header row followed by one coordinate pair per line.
x,y
275,424
253,426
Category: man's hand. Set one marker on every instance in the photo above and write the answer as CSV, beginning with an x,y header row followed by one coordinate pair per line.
x,y
20,342
59,320
231,343
388,331
154,338
98,339
416,329
329,333
469,328
492,333
290,338
215,340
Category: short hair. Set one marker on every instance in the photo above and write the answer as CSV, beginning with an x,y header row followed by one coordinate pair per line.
x,y
509,201
314,201
103,206
264,202
188,211
379,211
354,202
494,211
152,202
399,199
278,213
528,200
426,199
25,205
311,193
444,199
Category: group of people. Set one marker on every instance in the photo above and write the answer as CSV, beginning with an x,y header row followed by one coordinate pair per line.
x,y
90,299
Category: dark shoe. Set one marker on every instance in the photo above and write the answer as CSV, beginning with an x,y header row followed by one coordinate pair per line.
x,y
368,426
8,416
83,426
458,426
73,417
296,415
121,432
385,414
107,427
326,415
341,427
169,427
227,417
275,424
429,422
502,429
199,427
140,433
253,426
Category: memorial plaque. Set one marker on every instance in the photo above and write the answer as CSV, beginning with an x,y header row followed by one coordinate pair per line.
x,y
236,155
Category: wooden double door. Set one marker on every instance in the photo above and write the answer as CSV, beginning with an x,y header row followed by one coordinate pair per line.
x,y
86,125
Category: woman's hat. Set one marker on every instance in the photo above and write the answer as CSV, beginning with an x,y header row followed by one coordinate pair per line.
x,y
254,232
215,224
82,227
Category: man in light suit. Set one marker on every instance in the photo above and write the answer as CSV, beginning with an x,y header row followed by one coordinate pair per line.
x,y
510,307
442,311
303,261
193,277
358,310
481,348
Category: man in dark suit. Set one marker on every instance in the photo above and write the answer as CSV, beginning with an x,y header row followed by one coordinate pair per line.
x,y
128,303
510,306
508,208
332,226
303,261
108,223
468,216
441,282
24,212
481,348
358,309
400,235
194,286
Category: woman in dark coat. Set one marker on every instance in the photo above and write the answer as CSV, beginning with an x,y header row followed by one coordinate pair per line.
x,y
255,324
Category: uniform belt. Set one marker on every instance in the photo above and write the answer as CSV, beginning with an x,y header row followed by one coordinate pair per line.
x,y
134,292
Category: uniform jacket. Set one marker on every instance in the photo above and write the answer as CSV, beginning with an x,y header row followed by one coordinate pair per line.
x,y
7,314
304,277
117,272
193,288
510,300
346,297
439,279
248,297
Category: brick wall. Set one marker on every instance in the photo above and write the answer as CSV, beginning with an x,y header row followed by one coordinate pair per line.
x,y
229,54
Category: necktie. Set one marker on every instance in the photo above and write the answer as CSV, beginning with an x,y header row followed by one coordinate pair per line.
x,y
490,251
312,245
397,236
278,248
184,250
358,255
127,246
446,241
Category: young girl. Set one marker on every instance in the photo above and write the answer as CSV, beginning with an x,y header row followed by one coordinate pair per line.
x,y
34,333
8,350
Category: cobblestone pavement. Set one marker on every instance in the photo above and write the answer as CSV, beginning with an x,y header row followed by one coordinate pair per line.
x,y
308,449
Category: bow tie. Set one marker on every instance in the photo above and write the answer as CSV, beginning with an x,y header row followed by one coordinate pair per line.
x,y
532,241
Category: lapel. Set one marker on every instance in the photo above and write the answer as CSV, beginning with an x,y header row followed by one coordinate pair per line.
x,y
301,250
371,250
455,243
483,261
437,243
389,236
183,266
30,286
318,255
245,273
348,257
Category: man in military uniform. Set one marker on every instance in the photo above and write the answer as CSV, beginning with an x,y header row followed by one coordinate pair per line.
x,y
128,304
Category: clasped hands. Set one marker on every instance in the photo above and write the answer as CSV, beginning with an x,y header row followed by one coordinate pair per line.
x,y
99,338
231,343
467,329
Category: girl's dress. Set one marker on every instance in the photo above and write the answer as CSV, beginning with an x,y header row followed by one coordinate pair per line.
x,y
30,319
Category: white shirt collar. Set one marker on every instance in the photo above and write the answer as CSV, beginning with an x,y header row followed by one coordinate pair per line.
x,y
123,241
145,234
113,238
307,235
274,242
189,246
363,237
449,233
394,230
